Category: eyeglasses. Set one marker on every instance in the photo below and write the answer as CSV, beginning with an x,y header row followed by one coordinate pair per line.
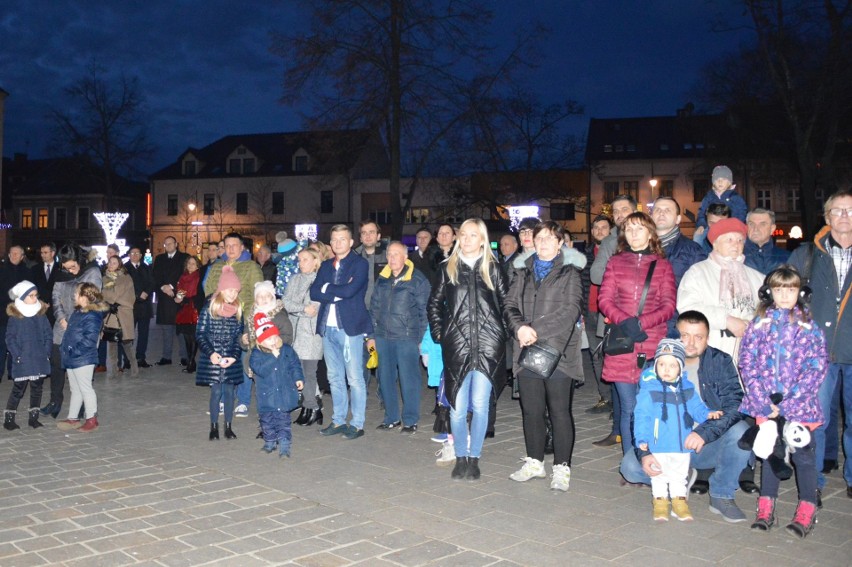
x,y
838,212
525,231
545,239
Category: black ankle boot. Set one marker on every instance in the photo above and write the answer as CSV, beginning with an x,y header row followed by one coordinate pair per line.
x,y
229,433
472,468
51,409
34,422
302,417
315,417
9,422
460,470
214,431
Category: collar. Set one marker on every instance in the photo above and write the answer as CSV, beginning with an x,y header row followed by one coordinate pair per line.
x,y
405,274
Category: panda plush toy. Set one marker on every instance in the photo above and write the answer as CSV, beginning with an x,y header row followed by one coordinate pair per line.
x,y
774,440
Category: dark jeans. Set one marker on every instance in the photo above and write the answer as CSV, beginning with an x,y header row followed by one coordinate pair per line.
x,y
226,393
18,392
555,394
276,426
143,327
57,378
804,460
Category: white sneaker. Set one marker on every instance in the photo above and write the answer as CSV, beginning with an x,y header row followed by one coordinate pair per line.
x,y
446,455
241,410
561,477
532,469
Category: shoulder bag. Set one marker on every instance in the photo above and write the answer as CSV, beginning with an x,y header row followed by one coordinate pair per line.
x,y
111,334
615,340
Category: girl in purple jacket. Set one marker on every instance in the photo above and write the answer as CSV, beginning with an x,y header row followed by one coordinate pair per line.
x,y
784,352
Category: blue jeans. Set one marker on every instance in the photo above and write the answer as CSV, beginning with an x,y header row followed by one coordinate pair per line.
x,y
474,395
224,392
847,427
832,434
626,393
244,388
344,358
722,455
399,363
826,392
616,411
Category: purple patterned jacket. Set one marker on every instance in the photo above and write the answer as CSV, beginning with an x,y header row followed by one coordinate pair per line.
x,y
779,356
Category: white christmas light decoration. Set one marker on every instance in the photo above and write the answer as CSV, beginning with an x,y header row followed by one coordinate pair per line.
x,y
111,223
518,213
306,232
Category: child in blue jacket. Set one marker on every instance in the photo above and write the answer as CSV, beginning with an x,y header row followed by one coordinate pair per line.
x,y
278,378
722,191
667,408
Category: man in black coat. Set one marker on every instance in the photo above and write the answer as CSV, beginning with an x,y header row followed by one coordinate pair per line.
x,y
13,270
44,275
168,268
143,283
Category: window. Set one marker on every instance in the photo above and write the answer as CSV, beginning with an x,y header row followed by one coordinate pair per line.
x,y
209,204
234,166
608,148
666,188
699,189
171,205
417,216
632,188
764,198
61,218
278,202
326,202
242,203
562,211
189,167
300,163
610,191
83,218
248,166
819,195
793,200
42,218
380,217
27,218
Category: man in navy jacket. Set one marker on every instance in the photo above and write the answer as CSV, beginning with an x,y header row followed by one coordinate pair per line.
x,y
760,251
343,322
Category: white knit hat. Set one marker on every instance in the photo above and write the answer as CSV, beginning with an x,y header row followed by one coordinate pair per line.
x,y
264,287
21,290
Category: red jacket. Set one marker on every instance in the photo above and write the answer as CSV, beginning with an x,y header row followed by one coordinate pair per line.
x,y
621,290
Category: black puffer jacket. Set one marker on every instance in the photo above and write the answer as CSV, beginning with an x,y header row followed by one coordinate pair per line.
x,y
466,319
551,307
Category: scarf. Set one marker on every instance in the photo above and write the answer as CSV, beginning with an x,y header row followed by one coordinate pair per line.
x,y
668,239
28,309
734,288
227,310
541,268
470,261
678,386
109,279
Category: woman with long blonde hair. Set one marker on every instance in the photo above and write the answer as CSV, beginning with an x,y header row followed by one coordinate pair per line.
x,y
466,317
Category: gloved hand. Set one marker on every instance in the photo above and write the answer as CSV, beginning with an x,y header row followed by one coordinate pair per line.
x,y
113,307
633,330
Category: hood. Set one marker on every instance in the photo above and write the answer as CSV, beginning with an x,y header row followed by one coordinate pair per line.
x,y
820,236
570,257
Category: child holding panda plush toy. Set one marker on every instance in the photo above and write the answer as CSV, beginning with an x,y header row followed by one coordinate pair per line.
x,y
782,362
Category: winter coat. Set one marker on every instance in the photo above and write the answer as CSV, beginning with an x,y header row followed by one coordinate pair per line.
x,y
63,295
220,335
721,390
665,436
618,299
347,287
466,318
10,276
699,291
280,319
779,356
80,342
552,307
121,293
377,262
306,342
398,305
738,206
275,379
167,272
829,300
764,258
247,271
45,285
432,350
424,262
682,254
29,341
143,282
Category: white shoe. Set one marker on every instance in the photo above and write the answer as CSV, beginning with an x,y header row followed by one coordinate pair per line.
x,y
241,410
561,477
446,455
532,469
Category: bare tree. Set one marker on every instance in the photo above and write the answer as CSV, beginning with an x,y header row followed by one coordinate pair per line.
x,y
260,196
393,66
102,118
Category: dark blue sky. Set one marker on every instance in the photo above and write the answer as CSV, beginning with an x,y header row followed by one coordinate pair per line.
x,y
206,71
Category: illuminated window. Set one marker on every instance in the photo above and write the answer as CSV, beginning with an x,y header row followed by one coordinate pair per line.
x,y
42,218
610,191
27,218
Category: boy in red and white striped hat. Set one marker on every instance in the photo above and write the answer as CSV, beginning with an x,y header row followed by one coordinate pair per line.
x,y
278,380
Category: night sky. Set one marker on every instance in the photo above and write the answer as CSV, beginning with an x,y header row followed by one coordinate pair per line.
x,y
205,69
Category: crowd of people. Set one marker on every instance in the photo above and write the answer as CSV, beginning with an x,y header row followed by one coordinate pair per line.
x,y
710,354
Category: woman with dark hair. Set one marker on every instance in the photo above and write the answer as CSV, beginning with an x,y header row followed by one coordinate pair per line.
x,y
465,314
191,302
639,250
78,266
445,238
543,306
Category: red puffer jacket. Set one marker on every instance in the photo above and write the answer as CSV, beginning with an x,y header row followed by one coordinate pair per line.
x,y
618,300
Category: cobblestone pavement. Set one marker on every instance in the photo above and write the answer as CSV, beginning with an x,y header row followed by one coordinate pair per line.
x,y
148,488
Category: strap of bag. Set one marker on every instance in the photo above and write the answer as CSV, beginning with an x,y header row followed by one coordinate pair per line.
x,y
574,326
647,286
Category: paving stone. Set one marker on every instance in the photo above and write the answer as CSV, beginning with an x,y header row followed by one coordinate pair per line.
x,y
423,553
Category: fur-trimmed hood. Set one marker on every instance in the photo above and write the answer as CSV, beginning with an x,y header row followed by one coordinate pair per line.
x,y
101,306
12,310
570,256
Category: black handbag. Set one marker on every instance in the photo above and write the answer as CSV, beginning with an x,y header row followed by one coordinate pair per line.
x,y
111,334
615,340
